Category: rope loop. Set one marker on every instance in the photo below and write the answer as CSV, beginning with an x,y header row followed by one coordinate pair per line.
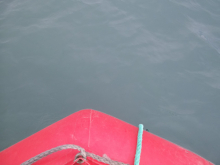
x,y
80,158
80,161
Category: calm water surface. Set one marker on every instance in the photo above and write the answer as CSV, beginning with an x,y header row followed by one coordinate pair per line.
x,y
155,62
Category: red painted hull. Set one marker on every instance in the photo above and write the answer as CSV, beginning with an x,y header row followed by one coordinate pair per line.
x,y
100,134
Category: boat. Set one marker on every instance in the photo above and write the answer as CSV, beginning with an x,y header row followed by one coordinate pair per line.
x,y
91,137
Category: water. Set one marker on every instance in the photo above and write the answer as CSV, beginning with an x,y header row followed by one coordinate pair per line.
x,y
154,62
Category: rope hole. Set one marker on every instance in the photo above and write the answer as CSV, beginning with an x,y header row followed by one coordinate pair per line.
x,y
79,159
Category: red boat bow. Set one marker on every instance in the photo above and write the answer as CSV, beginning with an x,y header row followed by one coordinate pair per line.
x,y
100,134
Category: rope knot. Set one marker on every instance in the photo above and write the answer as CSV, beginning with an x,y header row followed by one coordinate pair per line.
x,y
80,157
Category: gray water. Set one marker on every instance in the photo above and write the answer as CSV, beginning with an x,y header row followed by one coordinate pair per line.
x,y
154,62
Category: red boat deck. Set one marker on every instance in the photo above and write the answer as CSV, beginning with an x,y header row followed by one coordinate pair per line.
x,y
100,134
